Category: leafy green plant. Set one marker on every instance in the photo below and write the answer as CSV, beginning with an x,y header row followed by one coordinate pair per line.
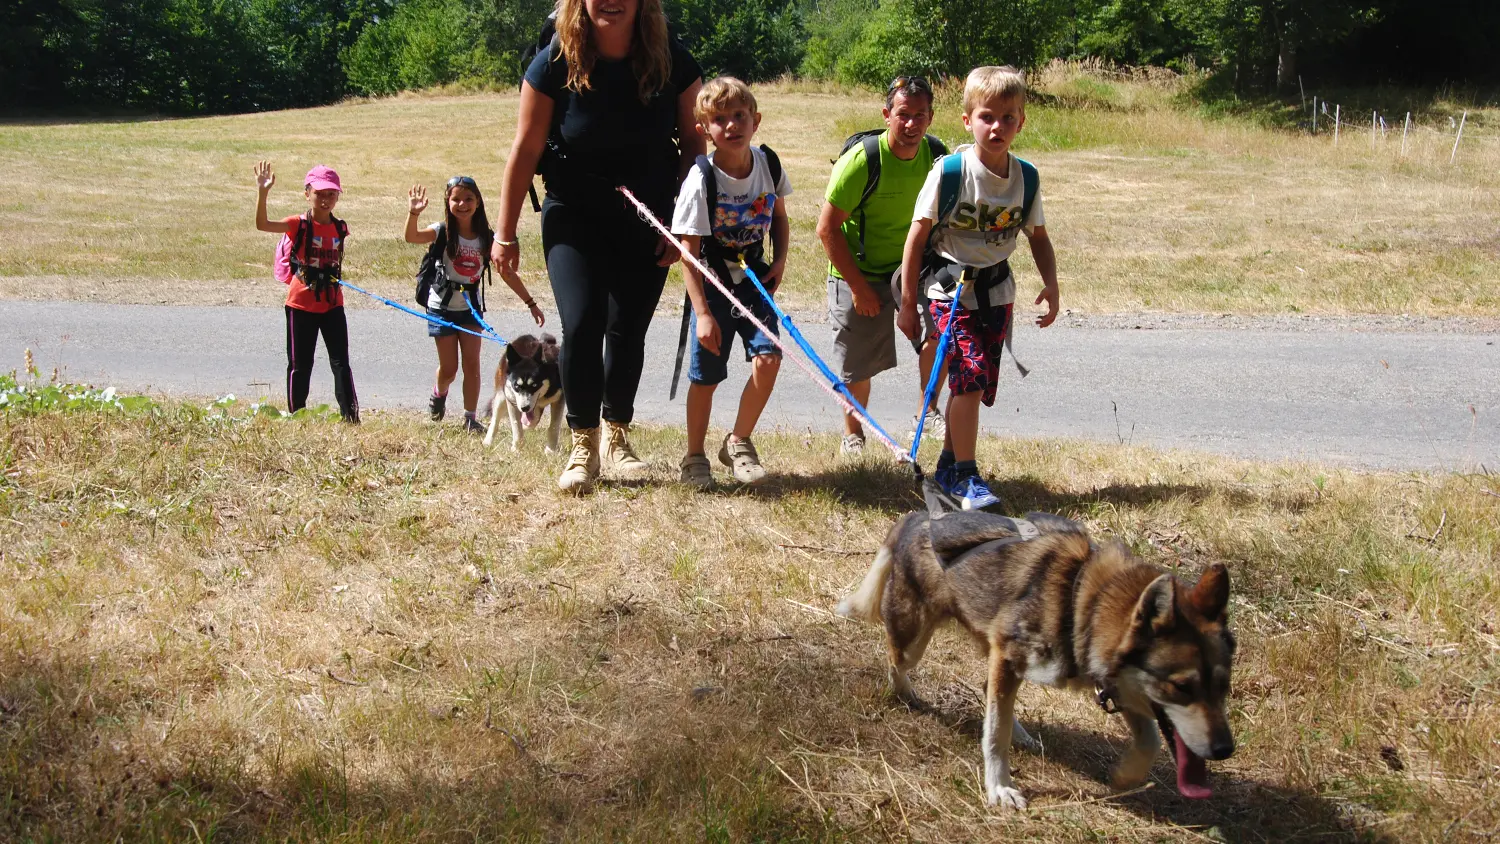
x,y
22,397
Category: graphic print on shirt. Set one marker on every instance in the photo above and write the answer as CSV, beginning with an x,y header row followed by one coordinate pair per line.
x,y
996,223
742,221
320,255
468,264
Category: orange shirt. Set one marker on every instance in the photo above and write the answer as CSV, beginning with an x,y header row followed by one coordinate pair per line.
x,y
323,249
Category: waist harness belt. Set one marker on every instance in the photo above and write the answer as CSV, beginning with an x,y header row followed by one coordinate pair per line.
x,y
981,280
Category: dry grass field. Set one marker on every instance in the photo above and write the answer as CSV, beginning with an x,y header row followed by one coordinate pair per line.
x,y
1152,205
221,627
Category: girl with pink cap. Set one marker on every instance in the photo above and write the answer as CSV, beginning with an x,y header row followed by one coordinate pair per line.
x,y
308,262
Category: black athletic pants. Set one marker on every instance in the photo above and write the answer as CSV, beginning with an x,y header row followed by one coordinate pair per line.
x,y
604,276
302,329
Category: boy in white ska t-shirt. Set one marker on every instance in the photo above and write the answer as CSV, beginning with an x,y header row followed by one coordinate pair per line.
x,y
972,240
729,203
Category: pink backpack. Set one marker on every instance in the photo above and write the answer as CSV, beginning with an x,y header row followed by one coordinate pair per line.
x,y
283,263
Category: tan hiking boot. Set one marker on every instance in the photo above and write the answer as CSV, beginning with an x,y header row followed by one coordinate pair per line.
x,y
619,456
583,464
696,471
742,460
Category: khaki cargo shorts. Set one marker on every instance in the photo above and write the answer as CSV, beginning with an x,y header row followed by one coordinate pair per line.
x,y
864,347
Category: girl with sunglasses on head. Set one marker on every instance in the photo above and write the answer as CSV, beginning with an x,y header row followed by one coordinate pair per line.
x,y
456,293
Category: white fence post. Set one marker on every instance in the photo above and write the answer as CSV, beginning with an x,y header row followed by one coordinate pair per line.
x,y
1454,155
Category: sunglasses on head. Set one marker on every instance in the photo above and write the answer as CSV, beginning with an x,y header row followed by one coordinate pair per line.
x,y
917,82
464,181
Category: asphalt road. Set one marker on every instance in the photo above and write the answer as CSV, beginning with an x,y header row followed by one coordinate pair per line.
x,y
1383,398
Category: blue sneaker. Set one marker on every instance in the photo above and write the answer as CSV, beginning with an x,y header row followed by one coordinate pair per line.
x,y
945,477
973,493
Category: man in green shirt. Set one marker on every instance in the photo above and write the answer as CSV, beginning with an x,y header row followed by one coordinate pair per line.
x,y
864,242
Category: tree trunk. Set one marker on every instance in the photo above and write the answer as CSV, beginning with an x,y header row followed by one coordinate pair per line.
x,y
1286,62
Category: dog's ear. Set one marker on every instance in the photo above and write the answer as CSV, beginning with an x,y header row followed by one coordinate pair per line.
x,y
1156,611
520,348
1210,598
512,357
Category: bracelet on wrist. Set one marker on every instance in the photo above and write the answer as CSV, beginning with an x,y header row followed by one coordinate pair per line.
x,y
508,242
530,303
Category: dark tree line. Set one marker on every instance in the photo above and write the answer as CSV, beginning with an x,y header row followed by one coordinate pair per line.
x,y
179,56
210,56
1266,44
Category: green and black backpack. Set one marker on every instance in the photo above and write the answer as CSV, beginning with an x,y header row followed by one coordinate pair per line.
x,y
870,140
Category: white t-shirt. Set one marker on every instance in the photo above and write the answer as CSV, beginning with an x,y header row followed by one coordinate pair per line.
x,y
745,207
465,268
984,224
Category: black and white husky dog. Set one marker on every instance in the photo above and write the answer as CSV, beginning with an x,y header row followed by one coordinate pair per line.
x,y
528,381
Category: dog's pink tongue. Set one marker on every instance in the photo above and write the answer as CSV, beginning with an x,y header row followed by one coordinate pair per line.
x,y
1192,772
528,419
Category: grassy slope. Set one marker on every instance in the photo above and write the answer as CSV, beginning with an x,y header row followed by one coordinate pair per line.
x,y
1151,206
302,631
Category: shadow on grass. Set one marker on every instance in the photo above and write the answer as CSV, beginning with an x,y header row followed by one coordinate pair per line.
x,y
687,768
69,773
24,119
892,488
1241,809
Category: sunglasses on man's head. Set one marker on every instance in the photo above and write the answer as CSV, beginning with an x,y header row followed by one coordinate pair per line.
x,y
917,82
465,181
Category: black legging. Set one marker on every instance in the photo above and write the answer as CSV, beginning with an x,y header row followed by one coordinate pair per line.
x,y
302,329
606,283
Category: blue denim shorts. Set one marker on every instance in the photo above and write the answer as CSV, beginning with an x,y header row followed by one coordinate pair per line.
x,y
464,318
707,368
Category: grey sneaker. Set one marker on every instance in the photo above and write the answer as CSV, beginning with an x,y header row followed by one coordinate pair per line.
x,y
474,426
742,460
935,428
853,446
697,471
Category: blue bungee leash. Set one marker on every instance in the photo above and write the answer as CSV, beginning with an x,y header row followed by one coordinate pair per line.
x,y
938,360
482,324
796,335
429,317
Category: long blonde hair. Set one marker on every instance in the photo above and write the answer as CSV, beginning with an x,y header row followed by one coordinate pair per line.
x,y
650,53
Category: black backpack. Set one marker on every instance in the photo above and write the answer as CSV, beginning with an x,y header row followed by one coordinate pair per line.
x,y
430,272
870,140
545,38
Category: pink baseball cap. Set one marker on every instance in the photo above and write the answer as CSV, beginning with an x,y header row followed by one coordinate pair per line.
x,y
323,178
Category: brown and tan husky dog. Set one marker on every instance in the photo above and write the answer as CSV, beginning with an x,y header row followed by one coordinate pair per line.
x,y
1048,605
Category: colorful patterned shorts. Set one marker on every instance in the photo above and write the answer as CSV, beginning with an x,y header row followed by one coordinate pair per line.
x,y
974,353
